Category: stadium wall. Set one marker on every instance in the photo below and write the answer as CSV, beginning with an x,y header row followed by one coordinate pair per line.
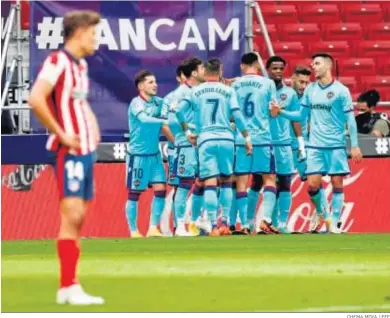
x,y
32,212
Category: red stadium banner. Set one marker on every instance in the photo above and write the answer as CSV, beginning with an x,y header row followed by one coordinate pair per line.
x,y
30,202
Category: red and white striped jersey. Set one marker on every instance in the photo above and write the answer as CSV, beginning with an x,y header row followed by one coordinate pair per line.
x,y
68,102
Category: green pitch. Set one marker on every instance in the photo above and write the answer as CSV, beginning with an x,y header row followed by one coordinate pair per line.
x,y
265,273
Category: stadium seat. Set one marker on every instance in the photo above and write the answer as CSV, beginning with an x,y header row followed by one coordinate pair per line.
x,y
271,28
383,66
299,32
318,13
361,12
342,31
350,82
377,31
373,49
357,66
278,14
386,11
289,49
335,48
380,83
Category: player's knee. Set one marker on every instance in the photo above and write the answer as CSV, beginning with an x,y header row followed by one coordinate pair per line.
x,y
257,182
160,193
284,183
198,190
186,183
133,195
73,211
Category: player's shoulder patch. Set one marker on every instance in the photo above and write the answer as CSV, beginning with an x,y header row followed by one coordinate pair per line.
x,y
136,104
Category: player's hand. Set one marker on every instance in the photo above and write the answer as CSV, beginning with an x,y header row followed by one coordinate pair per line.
x,y
249,148
192,138
71,141
356,154
274,109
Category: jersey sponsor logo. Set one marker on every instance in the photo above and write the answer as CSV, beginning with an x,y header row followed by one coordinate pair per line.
x,y
330,95
322,107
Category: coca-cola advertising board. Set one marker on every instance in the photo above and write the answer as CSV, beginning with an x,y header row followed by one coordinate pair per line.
x,y
30,207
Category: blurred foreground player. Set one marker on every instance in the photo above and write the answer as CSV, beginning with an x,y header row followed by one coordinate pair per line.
x,y
59,100
329,104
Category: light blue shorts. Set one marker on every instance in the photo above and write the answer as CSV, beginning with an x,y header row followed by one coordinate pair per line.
x,y
216,159
327,161
284,160
262,160
186,162
144,170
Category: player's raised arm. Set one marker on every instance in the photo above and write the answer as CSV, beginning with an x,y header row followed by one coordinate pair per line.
x,y
350,120
297,127
296,115
52,69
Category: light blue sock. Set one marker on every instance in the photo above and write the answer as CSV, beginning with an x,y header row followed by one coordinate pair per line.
x,y
225,198
337,204
284,201
211,203
276,213
324,203
197,201
173,209
233,210
315,197
157,207
242,205
268,205
181,202
253,197
131,214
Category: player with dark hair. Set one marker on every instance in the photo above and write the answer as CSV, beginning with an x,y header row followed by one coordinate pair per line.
x,y
329,104
255,93
59,100
281,141
369,121
144,163
186,162
299,81
213,104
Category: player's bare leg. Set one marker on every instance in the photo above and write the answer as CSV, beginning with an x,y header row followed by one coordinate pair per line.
x,y
268,205
157,208
242,201
314,184
225,198
337,203
73,210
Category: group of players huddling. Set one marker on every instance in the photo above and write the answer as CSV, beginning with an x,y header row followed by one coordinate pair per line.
x,y
207,151
221,132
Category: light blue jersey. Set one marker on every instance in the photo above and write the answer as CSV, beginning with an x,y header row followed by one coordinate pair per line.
x,y
254,94
280,126
328,107
213,104
178,95
139,127
169,112
305,133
